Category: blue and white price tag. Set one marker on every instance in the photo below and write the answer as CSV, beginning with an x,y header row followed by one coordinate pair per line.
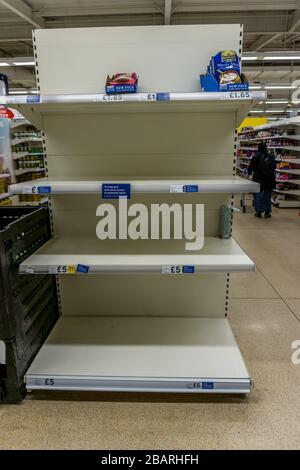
x,y
81,268
178,269
33,99
208,385
190,188
116,190
184,188
37,190
162,96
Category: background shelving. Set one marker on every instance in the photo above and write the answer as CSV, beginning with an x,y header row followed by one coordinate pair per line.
x,y
28,158
285,131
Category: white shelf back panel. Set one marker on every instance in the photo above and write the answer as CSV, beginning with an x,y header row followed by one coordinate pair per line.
x,y
151,165
171,144
144,295
166,58
139,134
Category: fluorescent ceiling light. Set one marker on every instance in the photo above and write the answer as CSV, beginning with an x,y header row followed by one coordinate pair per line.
x,y
256,111
255,87
282,57
18,92
250,58
4,64
280,87
277,102
24,63
33,91
275,111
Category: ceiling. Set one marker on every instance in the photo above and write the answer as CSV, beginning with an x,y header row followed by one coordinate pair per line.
x,y
269,25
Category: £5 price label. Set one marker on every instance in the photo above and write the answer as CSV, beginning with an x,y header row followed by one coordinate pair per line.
x,y
174,269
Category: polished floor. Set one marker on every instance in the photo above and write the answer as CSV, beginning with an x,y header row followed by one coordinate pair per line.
x,y
264,311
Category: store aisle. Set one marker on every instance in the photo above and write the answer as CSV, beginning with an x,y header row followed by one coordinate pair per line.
x,y
264,311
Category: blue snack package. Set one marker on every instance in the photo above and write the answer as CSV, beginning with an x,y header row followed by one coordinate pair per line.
x,y
226,68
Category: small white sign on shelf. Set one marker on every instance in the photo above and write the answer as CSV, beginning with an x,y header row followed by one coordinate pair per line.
x,y
235,95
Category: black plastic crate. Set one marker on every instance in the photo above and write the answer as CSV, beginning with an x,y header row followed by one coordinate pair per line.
x,y
28,303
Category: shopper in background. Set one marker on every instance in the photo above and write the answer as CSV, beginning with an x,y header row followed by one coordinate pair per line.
x,y
263,166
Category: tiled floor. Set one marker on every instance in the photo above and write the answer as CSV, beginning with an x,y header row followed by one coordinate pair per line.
x,y
265,316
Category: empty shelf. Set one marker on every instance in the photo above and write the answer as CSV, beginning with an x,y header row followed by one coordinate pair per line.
x,y
36,106
140,354
90,256
74,186
289,192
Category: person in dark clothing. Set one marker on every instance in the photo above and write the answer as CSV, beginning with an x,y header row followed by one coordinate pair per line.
x,y
263,167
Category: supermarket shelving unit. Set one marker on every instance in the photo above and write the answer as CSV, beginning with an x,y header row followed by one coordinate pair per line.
x,y
290,189
134,325
24,163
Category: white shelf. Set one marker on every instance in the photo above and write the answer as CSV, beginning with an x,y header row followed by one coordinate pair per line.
x,y
283,136
17,155
136,102
216,256
19,123
289,203
190,355
294,121
4,175
291,181
290,192
26,139
296,161
287,147
4,195
292,172
248,148
204,185
28,170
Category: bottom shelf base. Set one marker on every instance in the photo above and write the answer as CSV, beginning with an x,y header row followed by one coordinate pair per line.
x,y
140,354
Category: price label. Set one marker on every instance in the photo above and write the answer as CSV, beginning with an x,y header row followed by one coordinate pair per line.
x,y
184,188
83,269
114,98
235,95
151,96
176,188
62,269
30,190
49,382
37,190
178,269
175,269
